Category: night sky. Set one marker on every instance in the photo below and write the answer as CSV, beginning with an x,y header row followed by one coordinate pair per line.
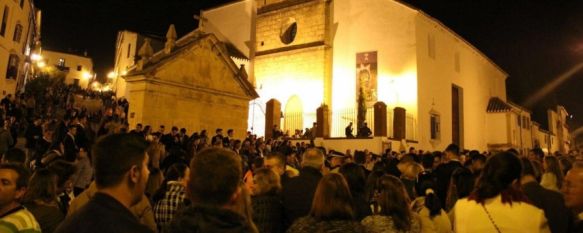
x,y
534,41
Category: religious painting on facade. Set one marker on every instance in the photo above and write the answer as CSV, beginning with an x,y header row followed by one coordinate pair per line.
x,y
366,76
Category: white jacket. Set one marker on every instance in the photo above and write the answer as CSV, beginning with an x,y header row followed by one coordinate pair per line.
x,y
469,216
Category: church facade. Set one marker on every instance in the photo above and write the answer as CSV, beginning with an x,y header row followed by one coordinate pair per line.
x,y
314,52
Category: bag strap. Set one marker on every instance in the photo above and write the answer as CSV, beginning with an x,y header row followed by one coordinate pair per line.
x,y
491,219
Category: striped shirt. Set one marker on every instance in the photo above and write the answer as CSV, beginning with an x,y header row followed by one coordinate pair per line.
x,y
19,220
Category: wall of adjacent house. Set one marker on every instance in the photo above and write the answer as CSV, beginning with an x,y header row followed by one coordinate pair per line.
x,y
443,60
17,15
80,67
498,132
125,52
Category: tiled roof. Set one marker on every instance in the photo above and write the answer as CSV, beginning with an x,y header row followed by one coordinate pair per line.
x,y
497,105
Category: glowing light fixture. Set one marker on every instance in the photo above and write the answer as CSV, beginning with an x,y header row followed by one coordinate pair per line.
x,y
87,75
111,75
41,64
36,57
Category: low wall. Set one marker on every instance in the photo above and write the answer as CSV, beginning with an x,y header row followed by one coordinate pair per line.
x,y
375,145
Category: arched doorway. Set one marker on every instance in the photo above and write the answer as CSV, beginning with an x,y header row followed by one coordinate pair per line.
x,y
293,118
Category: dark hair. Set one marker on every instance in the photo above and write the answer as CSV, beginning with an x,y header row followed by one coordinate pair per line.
x,y
538,152
426,186
359,157
64,171
427,160
332,199
354,175
173,173
554,167
527,168
23,174
453,148
215,176
499,172
15,155
114,155
42,186
476,156
394,202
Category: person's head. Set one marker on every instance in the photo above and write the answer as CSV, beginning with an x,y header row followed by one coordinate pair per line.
x,y
536,154
499,174
13,182
42,187
72,129
178,172
452,151
230,132
566,164
121,161
214,177
477,162
64,171
139,127
462,183
573,187
355,177
426,186
336,159
332,199
265,181
412,170
183,131
313,158
427,160
551,164
394,202
14,155
161,129
219,131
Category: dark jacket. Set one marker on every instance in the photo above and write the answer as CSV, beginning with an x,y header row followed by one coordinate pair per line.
x,y
308,225
443,173
101,214
33,134
48,217
361,207
207,219
298,193
268,213
552,203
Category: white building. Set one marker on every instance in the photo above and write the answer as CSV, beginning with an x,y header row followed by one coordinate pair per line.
x,y
78,68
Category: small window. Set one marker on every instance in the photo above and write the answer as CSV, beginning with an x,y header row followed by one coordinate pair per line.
x,y
79,67
12,69
17,33
519,119
435,126
431,45
21,3
4,21
129,49
61,62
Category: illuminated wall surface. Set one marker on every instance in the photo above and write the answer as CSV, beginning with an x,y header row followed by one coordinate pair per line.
x,y
418,62
79,67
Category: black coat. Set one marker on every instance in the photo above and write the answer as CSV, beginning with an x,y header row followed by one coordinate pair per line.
x,y
298,193
71,148
206,219
443,173
268,213
552,203
102,214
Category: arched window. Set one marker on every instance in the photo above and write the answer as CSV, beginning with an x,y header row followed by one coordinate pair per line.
x,y
12,69
17,33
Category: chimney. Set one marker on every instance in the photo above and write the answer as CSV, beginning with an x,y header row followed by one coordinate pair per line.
x,y
170,39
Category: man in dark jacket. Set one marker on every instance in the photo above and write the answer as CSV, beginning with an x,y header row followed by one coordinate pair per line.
x,y
443,171
121,174
299,191
551,202
214,191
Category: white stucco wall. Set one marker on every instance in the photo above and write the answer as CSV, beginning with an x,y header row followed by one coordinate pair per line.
x,y
72,61
126,40
478,77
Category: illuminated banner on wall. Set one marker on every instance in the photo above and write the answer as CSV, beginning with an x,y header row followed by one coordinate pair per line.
x,y
366,76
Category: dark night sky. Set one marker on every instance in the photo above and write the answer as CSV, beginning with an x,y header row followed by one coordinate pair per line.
x,y
534,41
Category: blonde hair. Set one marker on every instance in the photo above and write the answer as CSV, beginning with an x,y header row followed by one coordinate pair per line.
x,y
266,181
412,170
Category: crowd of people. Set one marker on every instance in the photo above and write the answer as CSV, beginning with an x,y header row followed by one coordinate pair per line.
x,y
87,173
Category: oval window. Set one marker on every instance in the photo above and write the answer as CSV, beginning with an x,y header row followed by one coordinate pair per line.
x,y
288,31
